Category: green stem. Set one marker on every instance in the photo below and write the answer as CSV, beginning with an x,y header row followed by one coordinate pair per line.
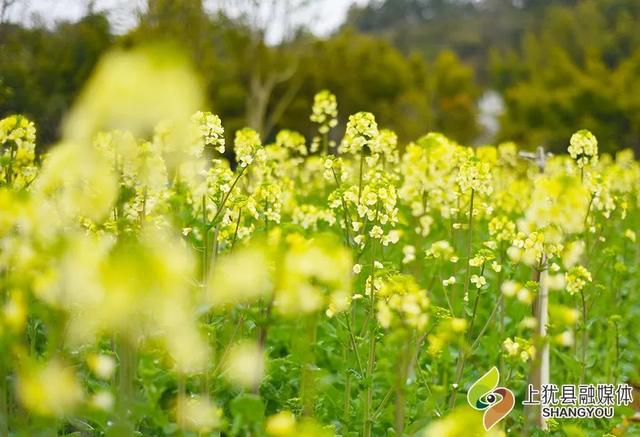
x,y
347,391
617,361
263,329
126,377
446,296
360,176
325,143
382,404
308,380
353,343
235,232
461,355
585,337
401,378
217,368
4,396
182,396
143,214
426,385
475,308
205,273
205,243
487,323
10,168
501,309
469,245
226,196
347,217
368,419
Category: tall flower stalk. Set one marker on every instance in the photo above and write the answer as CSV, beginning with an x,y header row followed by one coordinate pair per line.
x,y
474,177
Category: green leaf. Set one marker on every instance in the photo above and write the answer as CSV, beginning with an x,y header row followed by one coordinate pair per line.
x,y
248,409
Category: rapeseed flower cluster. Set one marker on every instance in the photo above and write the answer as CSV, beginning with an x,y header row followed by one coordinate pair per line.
x,y
577,279
17,151
324,111
401,302
583,147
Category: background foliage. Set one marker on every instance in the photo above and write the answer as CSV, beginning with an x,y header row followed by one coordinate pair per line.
x,y
420,65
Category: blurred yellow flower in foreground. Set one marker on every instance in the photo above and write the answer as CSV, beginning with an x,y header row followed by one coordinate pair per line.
x,y
284,424
245,365
304,275
101,365
313,274
75,181
462,421
49,390
14,312
163,87
197,413
240,277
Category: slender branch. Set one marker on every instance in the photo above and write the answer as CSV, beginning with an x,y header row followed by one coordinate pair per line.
x,y
235,232
383,402
226,196
585,337
353,343
462,354
487,323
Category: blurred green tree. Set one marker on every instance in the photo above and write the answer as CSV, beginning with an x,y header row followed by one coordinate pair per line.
x,y
406,93
579,70
271,86
42,70
249,79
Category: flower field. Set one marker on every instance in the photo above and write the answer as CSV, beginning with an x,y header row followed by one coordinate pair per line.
x,y
157,280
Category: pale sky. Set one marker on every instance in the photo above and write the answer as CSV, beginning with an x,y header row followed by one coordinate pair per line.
x,y
322,17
